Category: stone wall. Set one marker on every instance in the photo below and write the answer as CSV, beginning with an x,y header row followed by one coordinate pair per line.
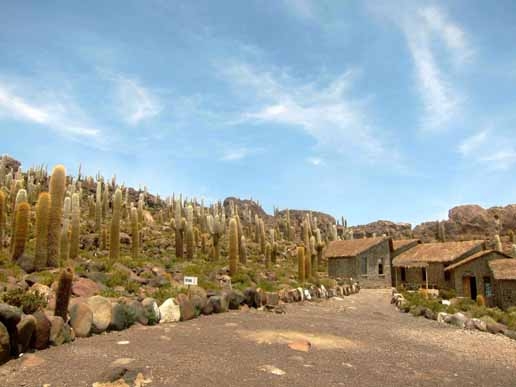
x,y
505,293
478,268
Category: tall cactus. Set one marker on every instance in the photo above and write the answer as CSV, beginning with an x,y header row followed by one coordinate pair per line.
x,y
64,249
308,253
233,246
268,255
242,254
189,239
2,218
301,264
179,231
76,226
42,218
114,235
21,231
63,293
135,234
498,243
98,208
57,192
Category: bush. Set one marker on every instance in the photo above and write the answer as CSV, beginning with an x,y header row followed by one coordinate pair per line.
x,y
447,294
29,302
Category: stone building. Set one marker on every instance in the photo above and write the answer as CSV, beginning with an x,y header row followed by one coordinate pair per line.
x,y
367,260
472,276
424,264
504,276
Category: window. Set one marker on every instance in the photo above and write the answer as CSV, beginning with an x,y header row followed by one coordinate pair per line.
x,y
403,274
363,265
423,273
380,267
488,289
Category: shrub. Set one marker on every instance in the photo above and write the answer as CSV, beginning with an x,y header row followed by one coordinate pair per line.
x,y
447,294
29,302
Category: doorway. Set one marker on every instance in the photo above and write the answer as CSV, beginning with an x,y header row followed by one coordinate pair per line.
x,y
469,286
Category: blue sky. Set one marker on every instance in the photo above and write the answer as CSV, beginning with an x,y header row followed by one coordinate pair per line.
x,y
367,109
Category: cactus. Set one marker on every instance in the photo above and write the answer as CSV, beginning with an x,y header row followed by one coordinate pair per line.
x,y
135,234
57,191
189,239
513,250
233,246
105,201
301,264
262,236
243,251
98,207
512,236
103,238
64,249
63,293
42,218
22,229
441,232
268,255
2,217
114,234
308,253
216,227
76,226
179,231
141,203
313,257
274,252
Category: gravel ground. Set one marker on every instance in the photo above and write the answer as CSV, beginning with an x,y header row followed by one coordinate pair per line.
x,y
355,341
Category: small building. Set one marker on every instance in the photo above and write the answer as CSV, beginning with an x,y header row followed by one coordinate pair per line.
x,y
399,246
367,260
423,265
472,276
504,276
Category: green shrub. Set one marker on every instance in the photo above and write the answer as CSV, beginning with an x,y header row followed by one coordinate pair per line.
x,y
29,302
447,294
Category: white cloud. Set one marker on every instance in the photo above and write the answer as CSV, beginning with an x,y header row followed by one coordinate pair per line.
x,y
316,161
489,149
58,113
135,103
473,143
324,111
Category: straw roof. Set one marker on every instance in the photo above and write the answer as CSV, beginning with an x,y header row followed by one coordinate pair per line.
x,y
401,243
436,253
503,269
353,247
476,256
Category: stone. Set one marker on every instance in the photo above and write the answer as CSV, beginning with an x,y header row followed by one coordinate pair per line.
x,y
417,310
169,311
207,309
26,328
101,309
220,303
301,345
42,333
5,344
441,317
198,303
118,318
85,287
430,314
294,295
139,312
271,298
252,298
81,319
10,316
301,294
307,294
26,262
152,311
479,324
235,298
510,333
57,331
496,328
458,319
185,307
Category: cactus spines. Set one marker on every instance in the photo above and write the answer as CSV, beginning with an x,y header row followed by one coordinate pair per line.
x,y
268,255
103,238
57,192
114,234
42,217
178,226
262,236
301,264
243,251
233,246
76,226
21,231
63,293
135,234
141,202
2,218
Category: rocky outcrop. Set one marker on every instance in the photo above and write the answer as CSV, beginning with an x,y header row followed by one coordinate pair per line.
x,y
381,227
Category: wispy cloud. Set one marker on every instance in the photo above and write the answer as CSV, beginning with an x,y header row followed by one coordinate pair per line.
x,y
490,149
473,143
316,161
58,113
326,111
235,153
301,8
135,103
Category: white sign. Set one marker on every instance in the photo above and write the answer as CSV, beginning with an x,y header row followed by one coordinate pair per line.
x,y
190,280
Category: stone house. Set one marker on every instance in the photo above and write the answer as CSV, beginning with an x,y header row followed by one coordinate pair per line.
x,y
472,276
424,264
399,246
504,276
367,260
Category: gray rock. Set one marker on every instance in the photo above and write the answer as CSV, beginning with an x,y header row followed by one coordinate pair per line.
x,y
417,310
26,263
139,312
186,307
271,298
510,333
496,328
151,310
118,318
207,309
10,316
42,333
26,328
5,344
101,309
458,319
169,311
430,314
81,319
220,303
57,331
479,324
235,298
442,316
252,298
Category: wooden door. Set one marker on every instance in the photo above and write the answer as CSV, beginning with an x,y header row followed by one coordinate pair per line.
x,y
466,287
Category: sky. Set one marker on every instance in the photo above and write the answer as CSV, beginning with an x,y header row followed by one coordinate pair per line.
x,y
370,110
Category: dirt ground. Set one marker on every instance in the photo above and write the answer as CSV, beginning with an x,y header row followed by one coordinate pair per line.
x,y
355,341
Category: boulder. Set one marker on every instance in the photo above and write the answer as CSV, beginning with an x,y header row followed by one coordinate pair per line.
x,y
58,335
430,314
294,295
479,324
5,344
42,333
207,309
85,287
458,319
169,311
139,312
307,294
220,303
26,328
417,310
101,309
301,294
81,319
235,298
151,310
26,262
10,316
271,298
185,307
118,318
252,298
510,333
442,316
496,328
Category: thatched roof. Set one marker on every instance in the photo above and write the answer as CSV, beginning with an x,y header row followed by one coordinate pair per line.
x,y
353,247
400,243
476,256
440,252
503,269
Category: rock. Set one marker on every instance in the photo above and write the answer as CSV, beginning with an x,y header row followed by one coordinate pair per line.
x,y
235,298
198,303
186,307
139,312
97,277
307,294
26,328
417,310
57,331
5,344
42,333
294,295
101,309
119,320
220,303
81,319
10,316
301,294
458,319
26,263
44,290
301,345
271,298
85,287
207,309
151,310
252,298
169,311
479,324
430,314
496,328
441,317
510,333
